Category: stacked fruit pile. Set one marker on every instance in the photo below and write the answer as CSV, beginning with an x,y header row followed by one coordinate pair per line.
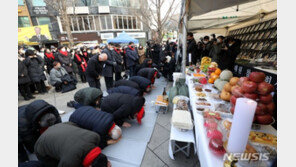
x,y
254,87
205,63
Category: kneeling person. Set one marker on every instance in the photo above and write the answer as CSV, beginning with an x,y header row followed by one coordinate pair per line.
x,y
56,75
87,97
97,121
65,144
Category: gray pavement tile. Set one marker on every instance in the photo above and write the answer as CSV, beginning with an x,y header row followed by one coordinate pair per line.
x,y
164,119
180,159
168,126
160,135
151,160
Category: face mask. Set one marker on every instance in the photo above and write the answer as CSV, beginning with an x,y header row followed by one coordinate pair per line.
x,y
218,40
63,50
68,50
88,51
23,51
205,42
230,44
111,48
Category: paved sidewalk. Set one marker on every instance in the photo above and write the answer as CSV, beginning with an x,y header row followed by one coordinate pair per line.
x,y
156,154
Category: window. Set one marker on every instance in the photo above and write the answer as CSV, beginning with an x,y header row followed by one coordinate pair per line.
x,y
121,3
126,22
103,22
109,22
83,3
44,21
97,22
38,3
130,22
103,2
115,22
21,3
23,21
120,22
80,23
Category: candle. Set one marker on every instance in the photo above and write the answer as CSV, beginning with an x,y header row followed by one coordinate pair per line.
x,y
241,125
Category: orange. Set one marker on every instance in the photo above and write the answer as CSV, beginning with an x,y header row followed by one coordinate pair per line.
x,y
211,80
218,71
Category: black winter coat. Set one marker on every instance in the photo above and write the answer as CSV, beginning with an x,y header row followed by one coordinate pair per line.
x,y
48,62
28,118
81,67
65,62
129,83
192,48
71,83
122,106
23,76
89,118
94,68
132,57
65,145
119,61
34,66
125,90
141,81
228,57
147,73
108,67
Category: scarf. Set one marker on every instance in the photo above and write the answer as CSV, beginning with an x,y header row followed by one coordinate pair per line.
x,y
118,51
65,53
140,115
83,66
112,127
49,55
153,78
131,48
85,54
91,156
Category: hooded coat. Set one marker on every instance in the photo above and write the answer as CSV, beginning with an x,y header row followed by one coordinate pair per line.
x,y
129,83
65,145
88,96
125,90
122,106
89,118
28,118
141,81
23,76
94,68
34,66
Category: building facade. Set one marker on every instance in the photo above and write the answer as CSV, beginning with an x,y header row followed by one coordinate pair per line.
x,y
24,18
91,20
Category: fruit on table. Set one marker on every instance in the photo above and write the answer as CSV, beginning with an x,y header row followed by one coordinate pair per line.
x,y
218,71
264,88
214,76
225,96
264,119
214,133
203,81
232,110
227,124
226,75
257,77
233,100
216,146
252,96
216,82
221,84
237,92
249,86
227,87
241,80
211,80
270,108
266,99
233,87
263,138
233,81
261,109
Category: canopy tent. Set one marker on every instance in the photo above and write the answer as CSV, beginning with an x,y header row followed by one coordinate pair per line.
x,y
123,38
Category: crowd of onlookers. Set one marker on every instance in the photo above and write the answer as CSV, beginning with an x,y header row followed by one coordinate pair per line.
x,y
60,67
222,50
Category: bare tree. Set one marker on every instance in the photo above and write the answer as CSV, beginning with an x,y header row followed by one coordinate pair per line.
x,y
156,14
61,7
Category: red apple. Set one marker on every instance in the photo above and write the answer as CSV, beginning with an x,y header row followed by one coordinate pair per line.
x,y
242,80
233,100
265,99
264,88
252,96
261,109
232,109
257,77
237,92
270,108
249,86
264,119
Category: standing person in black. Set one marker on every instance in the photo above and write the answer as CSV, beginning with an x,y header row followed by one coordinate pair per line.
x,y
231,50
48,60
155,51
81,62
24,79
94,69
206,47
191,49
132,58
34,65
109,66
119,60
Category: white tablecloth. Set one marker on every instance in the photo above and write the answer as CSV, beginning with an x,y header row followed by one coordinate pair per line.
x,y
206,158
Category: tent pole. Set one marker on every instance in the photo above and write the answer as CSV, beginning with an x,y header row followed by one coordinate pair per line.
x,y
184,43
